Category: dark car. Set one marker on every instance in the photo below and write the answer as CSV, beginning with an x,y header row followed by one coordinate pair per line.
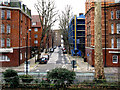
x,y
43,60
46,56
51,50
64,52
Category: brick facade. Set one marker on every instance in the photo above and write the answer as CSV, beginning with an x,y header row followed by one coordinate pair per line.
x,y
89,33
20,23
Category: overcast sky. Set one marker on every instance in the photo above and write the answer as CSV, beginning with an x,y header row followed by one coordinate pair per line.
x,y
78,6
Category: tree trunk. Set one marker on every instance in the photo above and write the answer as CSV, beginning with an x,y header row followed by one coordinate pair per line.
x,y
99,67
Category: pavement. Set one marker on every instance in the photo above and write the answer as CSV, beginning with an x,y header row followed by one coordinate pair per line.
x,y
81,66
21,68
85,67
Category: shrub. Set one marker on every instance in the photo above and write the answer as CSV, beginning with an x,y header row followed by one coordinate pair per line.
x,y
26,78
11,77
61,77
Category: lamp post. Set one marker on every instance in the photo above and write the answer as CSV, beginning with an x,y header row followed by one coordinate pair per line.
x,y
27,52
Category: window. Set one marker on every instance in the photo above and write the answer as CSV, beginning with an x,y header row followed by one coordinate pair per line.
x,y
36,42
118,28
20,56
2,28
117,14
2,14
2,42
8,14
34,23
4,58
36,29
25,54
111,14
21,30
21,16
8,28
21,42
36,36
118,43
115,59
8,42
112,43
112,29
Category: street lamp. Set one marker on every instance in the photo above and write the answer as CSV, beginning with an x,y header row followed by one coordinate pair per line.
x,y
27,52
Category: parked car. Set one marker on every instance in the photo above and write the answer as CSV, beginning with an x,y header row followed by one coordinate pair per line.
x,y
43,60
54,47
63,49
46,55
51,50
64,52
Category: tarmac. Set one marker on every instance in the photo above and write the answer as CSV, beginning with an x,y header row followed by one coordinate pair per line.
x,y
81,66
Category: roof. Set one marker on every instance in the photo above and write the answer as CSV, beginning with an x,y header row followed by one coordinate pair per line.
x,y
35,19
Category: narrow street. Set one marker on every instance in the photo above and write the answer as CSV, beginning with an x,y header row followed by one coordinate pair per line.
x,y
57,59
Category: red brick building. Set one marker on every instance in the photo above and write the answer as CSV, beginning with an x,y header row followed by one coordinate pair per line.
x,y
15,23
110,35
36,32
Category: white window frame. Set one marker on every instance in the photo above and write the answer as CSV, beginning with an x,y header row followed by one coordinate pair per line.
x,y
8,28
118,43
115,57
118,28
2,14
112,43
36,42
8,42
33,23
8,14
20,56
2,28
4,58
112,14
25,54
36,29
2,42
117,14
36,36
112,28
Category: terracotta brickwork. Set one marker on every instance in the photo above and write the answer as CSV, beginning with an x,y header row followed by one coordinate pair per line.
x,y
89,32
19,23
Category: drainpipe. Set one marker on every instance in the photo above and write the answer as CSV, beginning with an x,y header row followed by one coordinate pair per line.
x,y
105,30
19,35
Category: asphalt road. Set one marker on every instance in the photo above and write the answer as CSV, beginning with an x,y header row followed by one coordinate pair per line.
x,y
57,59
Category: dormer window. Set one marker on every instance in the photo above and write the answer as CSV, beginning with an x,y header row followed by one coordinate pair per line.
x,y
34,23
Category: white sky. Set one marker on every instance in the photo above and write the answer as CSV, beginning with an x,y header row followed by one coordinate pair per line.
x,y
78,6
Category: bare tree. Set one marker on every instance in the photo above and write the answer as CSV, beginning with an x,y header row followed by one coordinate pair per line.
x,y
47,13
64,19
99,66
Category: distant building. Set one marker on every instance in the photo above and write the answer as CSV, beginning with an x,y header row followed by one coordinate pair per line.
x,y
76,34
57,37
110,35
15,22
36,32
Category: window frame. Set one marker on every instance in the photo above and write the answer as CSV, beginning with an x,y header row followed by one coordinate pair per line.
x,y
116,59
112,15
20,56
112,28
8,14
35,29
35,41
118,28
8,42
117,14
8,28
4,58
112,43
2,42
118,43
2,28
2,14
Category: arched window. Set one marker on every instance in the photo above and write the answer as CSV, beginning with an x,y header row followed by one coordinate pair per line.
x,y
115,59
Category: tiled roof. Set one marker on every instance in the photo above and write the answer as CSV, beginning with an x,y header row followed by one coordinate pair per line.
x,y
35,19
